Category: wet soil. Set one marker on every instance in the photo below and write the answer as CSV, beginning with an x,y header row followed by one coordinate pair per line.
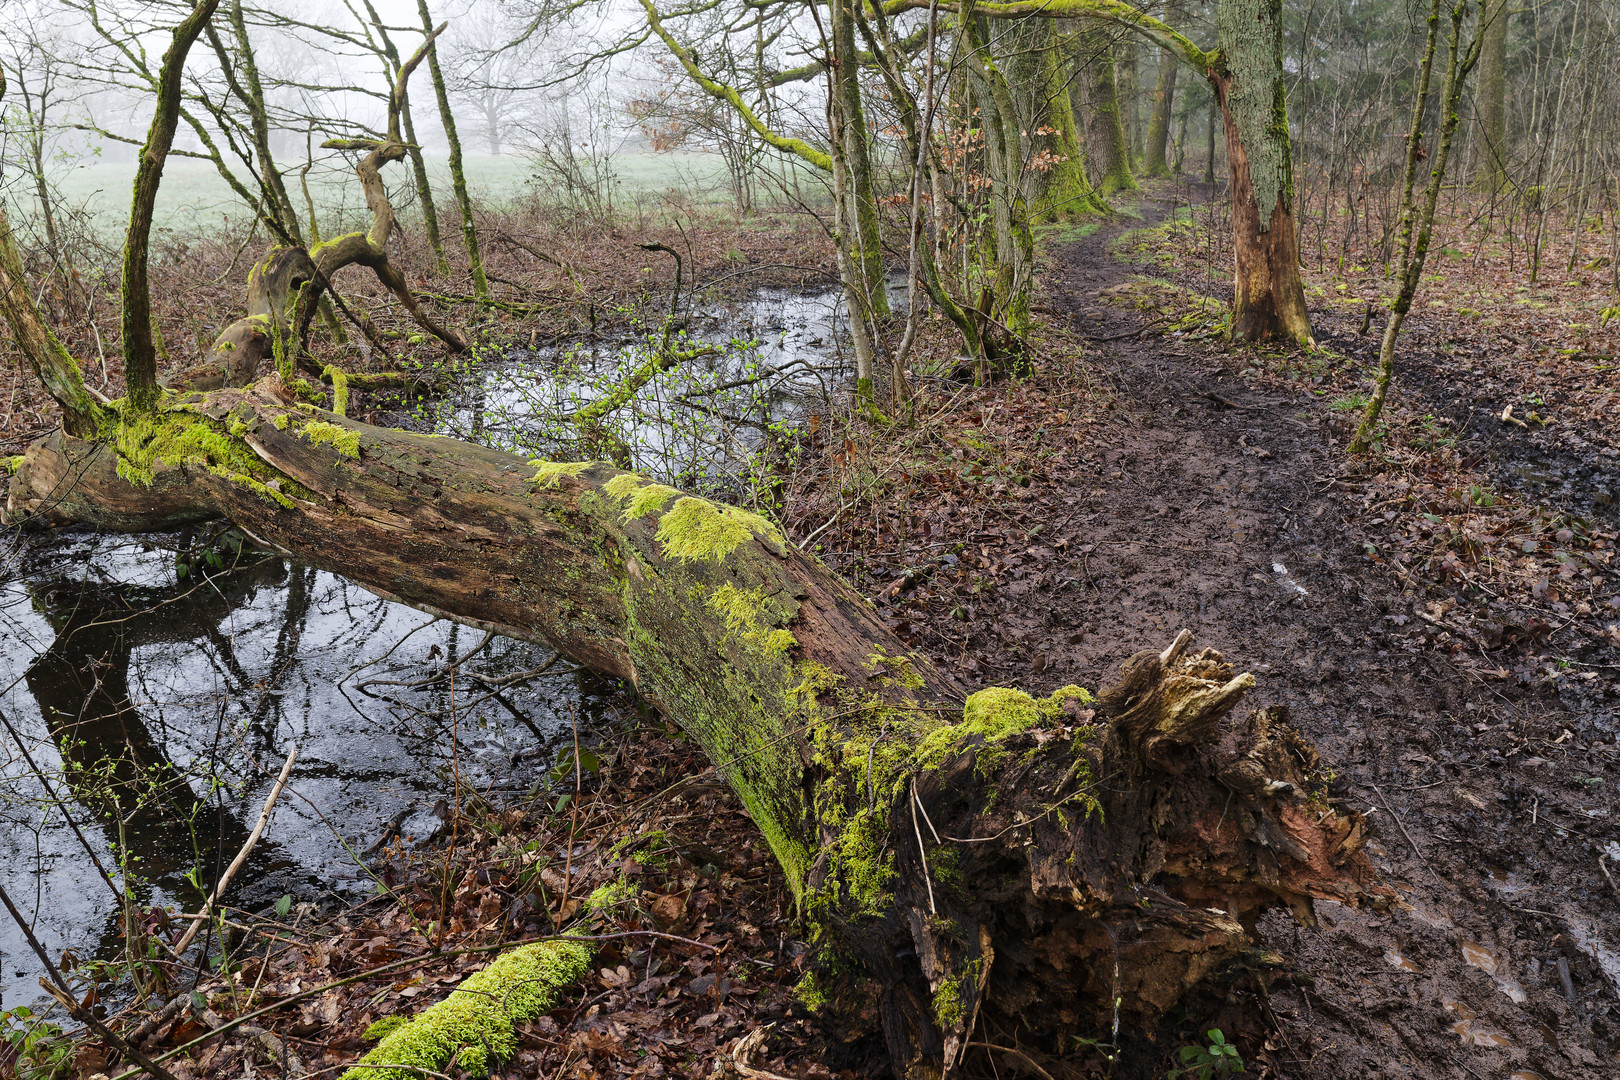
x,y
1217,505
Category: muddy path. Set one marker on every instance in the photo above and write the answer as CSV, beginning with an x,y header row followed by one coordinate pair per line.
x,y
1217,505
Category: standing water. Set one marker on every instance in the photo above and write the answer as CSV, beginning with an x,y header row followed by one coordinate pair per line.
x,y
158,708
150,701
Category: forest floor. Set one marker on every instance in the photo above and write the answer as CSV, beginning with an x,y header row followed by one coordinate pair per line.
x,y
1440,619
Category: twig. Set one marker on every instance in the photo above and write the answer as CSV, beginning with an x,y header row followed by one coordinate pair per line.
x,y
921,854
1015,1052
1415,850
573,818
241,856
1605,868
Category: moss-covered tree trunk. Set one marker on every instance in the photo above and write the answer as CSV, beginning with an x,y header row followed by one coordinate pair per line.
x,y
1268,297
1105,120
458,175
1061,185
1155,160
865,242
997,859
1042,864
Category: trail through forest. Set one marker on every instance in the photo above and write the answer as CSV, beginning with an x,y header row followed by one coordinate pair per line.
x,y
1217,504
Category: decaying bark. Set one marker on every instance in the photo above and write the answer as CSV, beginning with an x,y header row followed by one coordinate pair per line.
x,y
980,863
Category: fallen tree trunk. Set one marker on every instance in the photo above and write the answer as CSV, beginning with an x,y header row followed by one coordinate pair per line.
x,y
1002,860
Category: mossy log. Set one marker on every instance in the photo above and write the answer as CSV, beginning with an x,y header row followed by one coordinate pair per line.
x,y
996,856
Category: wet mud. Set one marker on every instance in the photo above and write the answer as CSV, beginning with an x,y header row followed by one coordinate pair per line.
x,y
1212,504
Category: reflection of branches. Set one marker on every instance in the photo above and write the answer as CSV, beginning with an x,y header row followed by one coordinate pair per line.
x,y
447,673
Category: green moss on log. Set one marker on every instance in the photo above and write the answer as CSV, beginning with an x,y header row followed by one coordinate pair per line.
x,y
383,1028
345,441
475,1024
696,528
870,759
169,437
340,389
549,474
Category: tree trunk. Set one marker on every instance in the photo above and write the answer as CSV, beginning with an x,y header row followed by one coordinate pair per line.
x,y
866,242
1127,57
1064,187
1155,162
1493,175
1268,297
1045,866
1110,153
458,176
995,861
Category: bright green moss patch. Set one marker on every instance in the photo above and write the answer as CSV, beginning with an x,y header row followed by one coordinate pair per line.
x,y
383,1028
550,473
9,465
996,713
282,420
340,389
948,1006
616,894
871,762
809,994
171,437
755,617
647,500
622,485
696,528
476,1021
345,441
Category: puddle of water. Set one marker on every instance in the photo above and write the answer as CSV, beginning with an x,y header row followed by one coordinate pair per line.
x,y
771,358
1399,962
1478,956
1507,882
112,667
1472,1030
1584,933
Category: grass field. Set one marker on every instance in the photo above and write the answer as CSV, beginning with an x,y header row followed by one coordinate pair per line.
x,y
195,200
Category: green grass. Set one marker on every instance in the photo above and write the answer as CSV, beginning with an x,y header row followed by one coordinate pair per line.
x,y
194,200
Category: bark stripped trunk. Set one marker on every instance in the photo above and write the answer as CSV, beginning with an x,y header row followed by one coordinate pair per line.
x,y
1268,297
991,863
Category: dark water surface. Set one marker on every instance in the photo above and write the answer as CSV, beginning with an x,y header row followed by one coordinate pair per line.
x,y
172,701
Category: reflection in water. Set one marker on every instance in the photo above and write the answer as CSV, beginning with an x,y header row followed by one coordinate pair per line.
x,y
745,367
172,703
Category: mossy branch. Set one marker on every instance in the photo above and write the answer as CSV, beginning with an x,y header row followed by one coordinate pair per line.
x,y
140,345
721,92
476,1024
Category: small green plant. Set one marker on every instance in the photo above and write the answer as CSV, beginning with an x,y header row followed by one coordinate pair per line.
x,y
31,1047
1353,402
1219,1058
